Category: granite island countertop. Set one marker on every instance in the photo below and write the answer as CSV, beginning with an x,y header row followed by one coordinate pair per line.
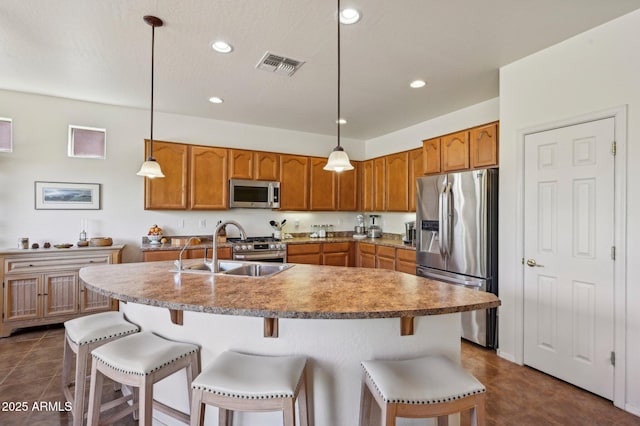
x,y
302,291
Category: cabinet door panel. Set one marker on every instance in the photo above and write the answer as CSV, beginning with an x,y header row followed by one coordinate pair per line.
x,y
431,156
156,256
379,184
455,151
91,301
294,182
484,146
322,195
209,178
310,259
240,164
416,170
169,192
397,182
336,259
267,166
367,260
348,193
21,298
60,291
367,185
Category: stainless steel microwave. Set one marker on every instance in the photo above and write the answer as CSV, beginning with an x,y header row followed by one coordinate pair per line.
x,y
254,194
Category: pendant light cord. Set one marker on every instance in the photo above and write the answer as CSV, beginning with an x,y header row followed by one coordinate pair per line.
x,y
153,44
338,120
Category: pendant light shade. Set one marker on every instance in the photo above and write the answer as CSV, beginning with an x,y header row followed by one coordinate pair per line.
x,y
338,160
151,168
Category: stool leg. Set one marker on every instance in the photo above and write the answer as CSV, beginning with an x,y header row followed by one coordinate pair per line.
x,y
444,420
67,356
389,414
302,401
145,408
95,395
289,412
197,413
81,379
365,403
478,413
225,417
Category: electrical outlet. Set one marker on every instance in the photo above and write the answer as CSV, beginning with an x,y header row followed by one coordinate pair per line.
x,y
180,223
296,224
202,223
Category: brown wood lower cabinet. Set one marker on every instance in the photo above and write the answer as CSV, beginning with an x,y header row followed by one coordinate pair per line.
x,y
305,253
43,287
386,257
337,254
159,255
406,261
366,255
333,254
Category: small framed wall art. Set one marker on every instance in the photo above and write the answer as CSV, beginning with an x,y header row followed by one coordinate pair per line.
x,y
67,196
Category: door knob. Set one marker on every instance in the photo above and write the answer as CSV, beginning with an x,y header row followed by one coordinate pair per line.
x,y
532,263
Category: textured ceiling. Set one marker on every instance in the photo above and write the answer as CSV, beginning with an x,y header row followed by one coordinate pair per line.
x,y
98,50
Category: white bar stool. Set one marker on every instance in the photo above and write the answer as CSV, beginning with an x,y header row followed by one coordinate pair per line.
x,y
139,360
431,386
82,335
242,382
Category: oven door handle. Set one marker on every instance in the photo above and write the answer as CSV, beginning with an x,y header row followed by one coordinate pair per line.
x,y
258,256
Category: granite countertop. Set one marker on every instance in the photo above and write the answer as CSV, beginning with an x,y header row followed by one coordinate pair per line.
x,y
54,250
387,240
302,291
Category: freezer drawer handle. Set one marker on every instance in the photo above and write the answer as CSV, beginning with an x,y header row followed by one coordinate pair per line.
x,y
532,263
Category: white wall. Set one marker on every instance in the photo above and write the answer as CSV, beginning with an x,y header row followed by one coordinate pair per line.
x,y
40,126
412,137
594,71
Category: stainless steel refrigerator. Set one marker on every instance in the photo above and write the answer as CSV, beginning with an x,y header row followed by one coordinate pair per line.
x,y
457,240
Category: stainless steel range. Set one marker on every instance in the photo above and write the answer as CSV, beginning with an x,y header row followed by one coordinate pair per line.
x,y
262,249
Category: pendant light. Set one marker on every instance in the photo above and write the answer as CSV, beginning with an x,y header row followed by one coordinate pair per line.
x,y
338,160
151,168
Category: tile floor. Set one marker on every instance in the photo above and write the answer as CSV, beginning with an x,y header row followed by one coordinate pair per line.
x,y
31,363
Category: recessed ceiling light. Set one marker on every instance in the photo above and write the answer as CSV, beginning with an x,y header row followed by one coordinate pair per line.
x,y
221,46
349,16
341,121
216,100
416,84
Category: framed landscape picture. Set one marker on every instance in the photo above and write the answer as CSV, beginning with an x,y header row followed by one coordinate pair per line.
x,y
67,196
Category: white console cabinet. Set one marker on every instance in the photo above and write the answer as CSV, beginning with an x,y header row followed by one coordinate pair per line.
x,y
41,286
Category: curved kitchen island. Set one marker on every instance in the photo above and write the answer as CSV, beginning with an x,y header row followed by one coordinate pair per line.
x,y
336,316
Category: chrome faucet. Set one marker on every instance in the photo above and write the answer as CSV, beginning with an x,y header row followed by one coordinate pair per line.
x,y
178,262
214,256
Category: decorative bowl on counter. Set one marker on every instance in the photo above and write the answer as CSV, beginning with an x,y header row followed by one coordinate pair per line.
x,y
154,239
100,241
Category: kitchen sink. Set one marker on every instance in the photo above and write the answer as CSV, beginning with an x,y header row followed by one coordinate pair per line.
x,y
233,268
258,269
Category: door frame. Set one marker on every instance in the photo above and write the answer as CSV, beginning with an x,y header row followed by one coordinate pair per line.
x,y
619,114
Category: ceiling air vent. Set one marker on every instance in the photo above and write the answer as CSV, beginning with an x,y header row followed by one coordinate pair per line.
x,y
279,64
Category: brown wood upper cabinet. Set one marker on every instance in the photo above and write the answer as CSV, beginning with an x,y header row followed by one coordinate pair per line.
x,y
323,194
349,188
397,182
367,185
170,192
484,146
416,169
431,156
256,165
379,184
208,178
294,182
469,149
455,151
195,178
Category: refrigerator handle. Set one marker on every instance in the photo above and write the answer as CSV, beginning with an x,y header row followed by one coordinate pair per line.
x,y
441,222
445,220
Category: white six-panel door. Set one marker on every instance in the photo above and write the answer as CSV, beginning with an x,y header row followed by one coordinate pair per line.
x,y
568,240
